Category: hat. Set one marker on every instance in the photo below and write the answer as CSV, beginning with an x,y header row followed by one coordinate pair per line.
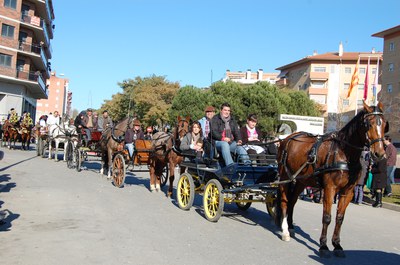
x,y
209,109
136,122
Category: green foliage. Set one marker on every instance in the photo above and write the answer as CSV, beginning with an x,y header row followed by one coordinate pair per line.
x,y
156,101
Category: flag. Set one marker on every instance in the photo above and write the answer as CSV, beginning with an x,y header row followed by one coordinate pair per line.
x,y
354,79
366,82
375,85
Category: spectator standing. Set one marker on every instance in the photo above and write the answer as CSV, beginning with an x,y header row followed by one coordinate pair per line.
x,y
379,180
365,166
391,155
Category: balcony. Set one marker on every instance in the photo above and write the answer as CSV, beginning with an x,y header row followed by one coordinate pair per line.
x,y
38,26
319,75
33,81
37,55
45,10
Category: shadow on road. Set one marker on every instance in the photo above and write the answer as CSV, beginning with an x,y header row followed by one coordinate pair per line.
x,y
6,218
364,257
15,164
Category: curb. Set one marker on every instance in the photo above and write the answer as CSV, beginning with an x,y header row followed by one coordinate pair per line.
x,y
386,205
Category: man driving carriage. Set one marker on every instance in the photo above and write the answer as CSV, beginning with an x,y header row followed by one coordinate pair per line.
x,y
104,121
86,121
133,134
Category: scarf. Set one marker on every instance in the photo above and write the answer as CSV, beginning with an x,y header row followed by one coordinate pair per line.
x,y
195,138
228,131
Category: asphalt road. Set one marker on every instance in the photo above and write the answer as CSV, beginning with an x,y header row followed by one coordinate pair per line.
x,y
55,215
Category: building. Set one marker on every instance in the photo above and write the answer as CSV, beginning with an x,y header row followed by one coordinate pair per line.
x,y
59,97
25,50
390,93
249,77
326,79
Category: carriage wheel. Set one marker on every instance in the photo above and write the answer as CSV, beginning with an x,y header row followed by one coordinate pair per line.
x,y
272,206
244,205
118,171
213,200
185,191
78,159
70,154
164,176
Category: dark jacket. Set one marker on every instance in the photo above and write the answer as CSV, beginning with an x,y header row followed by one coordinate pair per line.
x,y
132,135
379,172
79,120
218,127
364,159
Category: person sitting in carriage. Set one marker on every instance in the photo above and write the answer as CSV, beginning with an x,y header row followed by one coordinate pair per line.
x,y
251,137
80,125
192,142
133,134
225,133
27,121
149,133
43,124
104,121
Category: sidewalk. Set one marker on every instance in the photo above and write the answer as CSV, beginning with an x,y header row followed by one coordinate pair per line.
x,y
391,206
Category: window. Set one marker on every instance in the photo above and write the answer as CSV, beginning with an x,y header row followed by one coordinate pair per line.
x,y
360,86
320,99
345,102
389,88
391,46
10,3
362,70
7,31
318,84
332,69
374,70
360,102
5,60
347,70
319,69
346,86
391,67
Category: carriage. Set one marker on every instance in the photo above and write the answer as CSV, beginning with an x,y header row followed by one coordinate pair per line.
x,y
139,162
240,183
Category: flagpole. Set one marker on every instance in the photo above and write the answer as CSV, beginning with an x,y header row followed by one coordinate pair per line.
x,y
355,112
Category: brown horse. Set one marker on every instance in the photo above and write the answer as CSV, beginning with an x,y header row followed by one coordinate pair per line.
x,y
332,162
10,134
166,148
25,133
112,140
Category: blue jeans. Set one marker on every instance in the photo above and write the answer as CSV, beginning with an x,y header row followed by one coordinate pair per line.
x,y
358,193
130,148
226,150
390,179
88,136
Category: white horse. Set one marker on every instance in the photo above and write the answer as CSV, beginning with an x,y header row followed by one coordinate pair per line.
x,y
60,134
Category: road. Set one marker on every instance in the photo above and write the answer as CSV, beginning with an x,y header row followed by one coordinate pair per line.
x,y
56,215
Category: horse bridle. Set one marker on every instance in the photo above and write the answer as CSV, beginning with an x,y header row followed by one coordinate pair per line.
x,y
182,126
367,125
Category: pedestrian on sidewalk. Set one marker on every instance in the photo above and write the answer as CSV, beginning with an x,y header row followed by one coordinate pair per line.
x,y
379,172
391,155
359,188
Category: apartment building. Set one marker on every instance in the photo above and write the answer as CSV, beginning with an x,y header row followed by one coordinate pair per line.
x,y
25,53
250,77
390,93
326,79
59,97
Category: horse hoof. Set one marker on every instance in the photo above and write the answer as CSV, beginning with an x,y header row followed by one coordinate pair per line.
x,y
324,253
286,238
339,253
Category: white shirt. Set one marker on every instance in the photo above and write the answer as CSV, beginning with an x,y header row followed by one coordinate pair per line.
x,y
53,120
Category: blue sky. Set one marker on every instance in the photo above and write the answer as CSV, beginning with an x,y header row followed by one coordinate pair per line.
x,y
99,43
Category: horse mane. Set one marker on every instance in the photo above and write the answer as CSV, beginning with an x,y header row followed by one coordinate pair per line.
x,y
352,127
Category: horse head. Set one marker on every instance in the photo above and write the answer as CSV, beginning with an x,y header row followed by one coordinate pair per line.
x,y
375,127
182,126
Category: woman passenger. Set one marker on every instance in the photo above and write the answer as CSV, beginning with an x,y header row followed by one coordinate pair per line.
x,y
192,142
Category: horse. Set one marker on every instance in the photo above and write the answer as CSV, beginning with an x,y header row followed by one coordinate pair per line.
x,y
111,141
60,134
331,161
25,133
166,151
10,134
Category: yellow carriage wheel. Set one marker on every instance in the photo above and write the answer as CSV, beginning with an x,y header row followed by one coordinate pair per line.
x,y
185,191
118,171
213,200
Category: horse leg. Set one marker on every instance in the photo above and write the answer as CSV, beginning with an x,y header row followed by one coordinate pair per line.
x,y
329,193
110,157
343,202
294,195
56,152
284,189
50,149
152,175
